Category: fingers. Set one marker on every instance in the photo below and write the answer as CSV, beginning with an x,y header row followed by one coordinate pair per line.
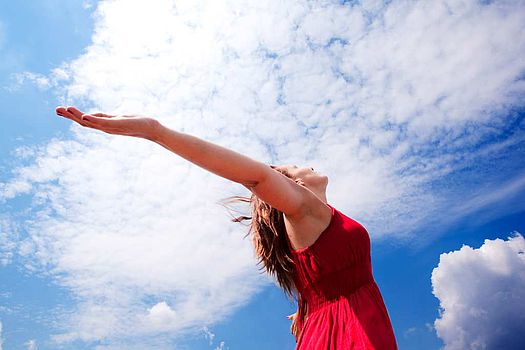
x,y
99,121
67,112
74,111
77,113
73,114
62,111
86,118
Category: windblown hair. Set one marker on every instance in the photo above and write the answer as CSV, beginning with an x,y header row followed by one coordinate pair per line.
x,y
272,248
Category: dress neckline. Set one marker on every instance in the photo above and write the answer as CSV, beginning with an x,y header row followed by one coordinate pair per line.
x,y
311,246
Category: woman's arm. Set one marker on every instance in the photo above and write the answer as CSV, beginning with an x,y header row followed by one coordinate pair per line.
x,y
212,157
269,185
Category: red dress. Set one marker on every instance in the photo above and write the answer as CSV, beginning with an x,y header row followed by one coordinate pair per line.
x,y
340,306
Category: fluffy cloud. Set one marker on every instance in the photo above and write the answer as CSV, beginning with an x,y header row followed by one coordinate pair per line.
x,y
482,296
382,98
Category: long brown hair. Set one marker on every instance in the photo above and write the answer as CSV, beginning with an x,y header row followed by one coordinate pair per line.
x,y
272,247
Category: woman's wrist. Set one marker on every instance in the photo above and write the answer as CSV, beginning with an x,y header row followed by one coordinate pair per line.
x,y
156,131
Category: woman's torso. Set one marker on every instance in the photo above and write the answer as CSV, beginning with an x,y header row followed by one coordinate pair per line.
x,y
344,308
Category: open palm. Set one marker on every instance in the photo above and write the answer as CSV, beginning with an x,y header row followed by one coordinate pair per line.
x,y
136,126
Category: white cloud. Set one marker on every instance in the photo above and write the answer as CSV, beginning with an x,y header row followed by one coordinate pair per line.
x,y
484,198
87,4
31,344
161,316
482,296
1,336
39,80
208,334
8,239
43,82
221,346
382,98
409,331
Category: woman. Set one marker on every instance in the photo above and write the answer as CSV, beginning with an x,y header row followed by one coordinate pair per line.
x,y
312,249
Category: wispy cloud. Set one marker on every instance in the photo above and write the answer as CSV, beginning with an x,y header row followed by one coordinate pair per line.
x,y
8,239
222,346
43,82
481,294
31,344
385,99
208,334
512,188
408,332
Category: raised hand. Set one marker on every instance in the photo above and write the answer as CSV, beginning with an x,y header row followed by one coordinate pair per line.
x,y
136,126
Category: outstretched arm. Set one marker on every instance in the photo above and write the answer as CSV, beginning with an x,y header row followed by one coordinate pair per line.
x,y
212,157
269,185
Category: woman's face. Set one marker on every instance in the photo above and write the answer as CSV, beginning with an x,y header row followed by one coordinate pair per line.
x,y
306,177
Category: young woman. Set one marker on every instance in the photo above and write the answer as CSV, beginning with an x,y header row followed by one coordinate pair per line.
x,y
314,250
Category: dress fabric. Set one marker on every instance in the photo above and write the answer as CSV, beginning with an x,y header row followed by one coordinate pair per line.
x,y
340,305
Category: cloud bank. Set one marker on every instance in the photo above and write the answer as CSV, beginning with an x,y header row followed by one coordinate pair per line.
x,y
482,296
384,98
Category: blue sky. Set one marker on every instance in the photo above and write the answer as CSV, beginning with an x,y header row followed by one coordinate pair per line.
x,y
414,110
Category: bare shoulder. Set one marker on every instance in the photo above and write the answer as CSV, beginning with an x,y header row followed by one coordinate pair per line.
x,y
303,230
